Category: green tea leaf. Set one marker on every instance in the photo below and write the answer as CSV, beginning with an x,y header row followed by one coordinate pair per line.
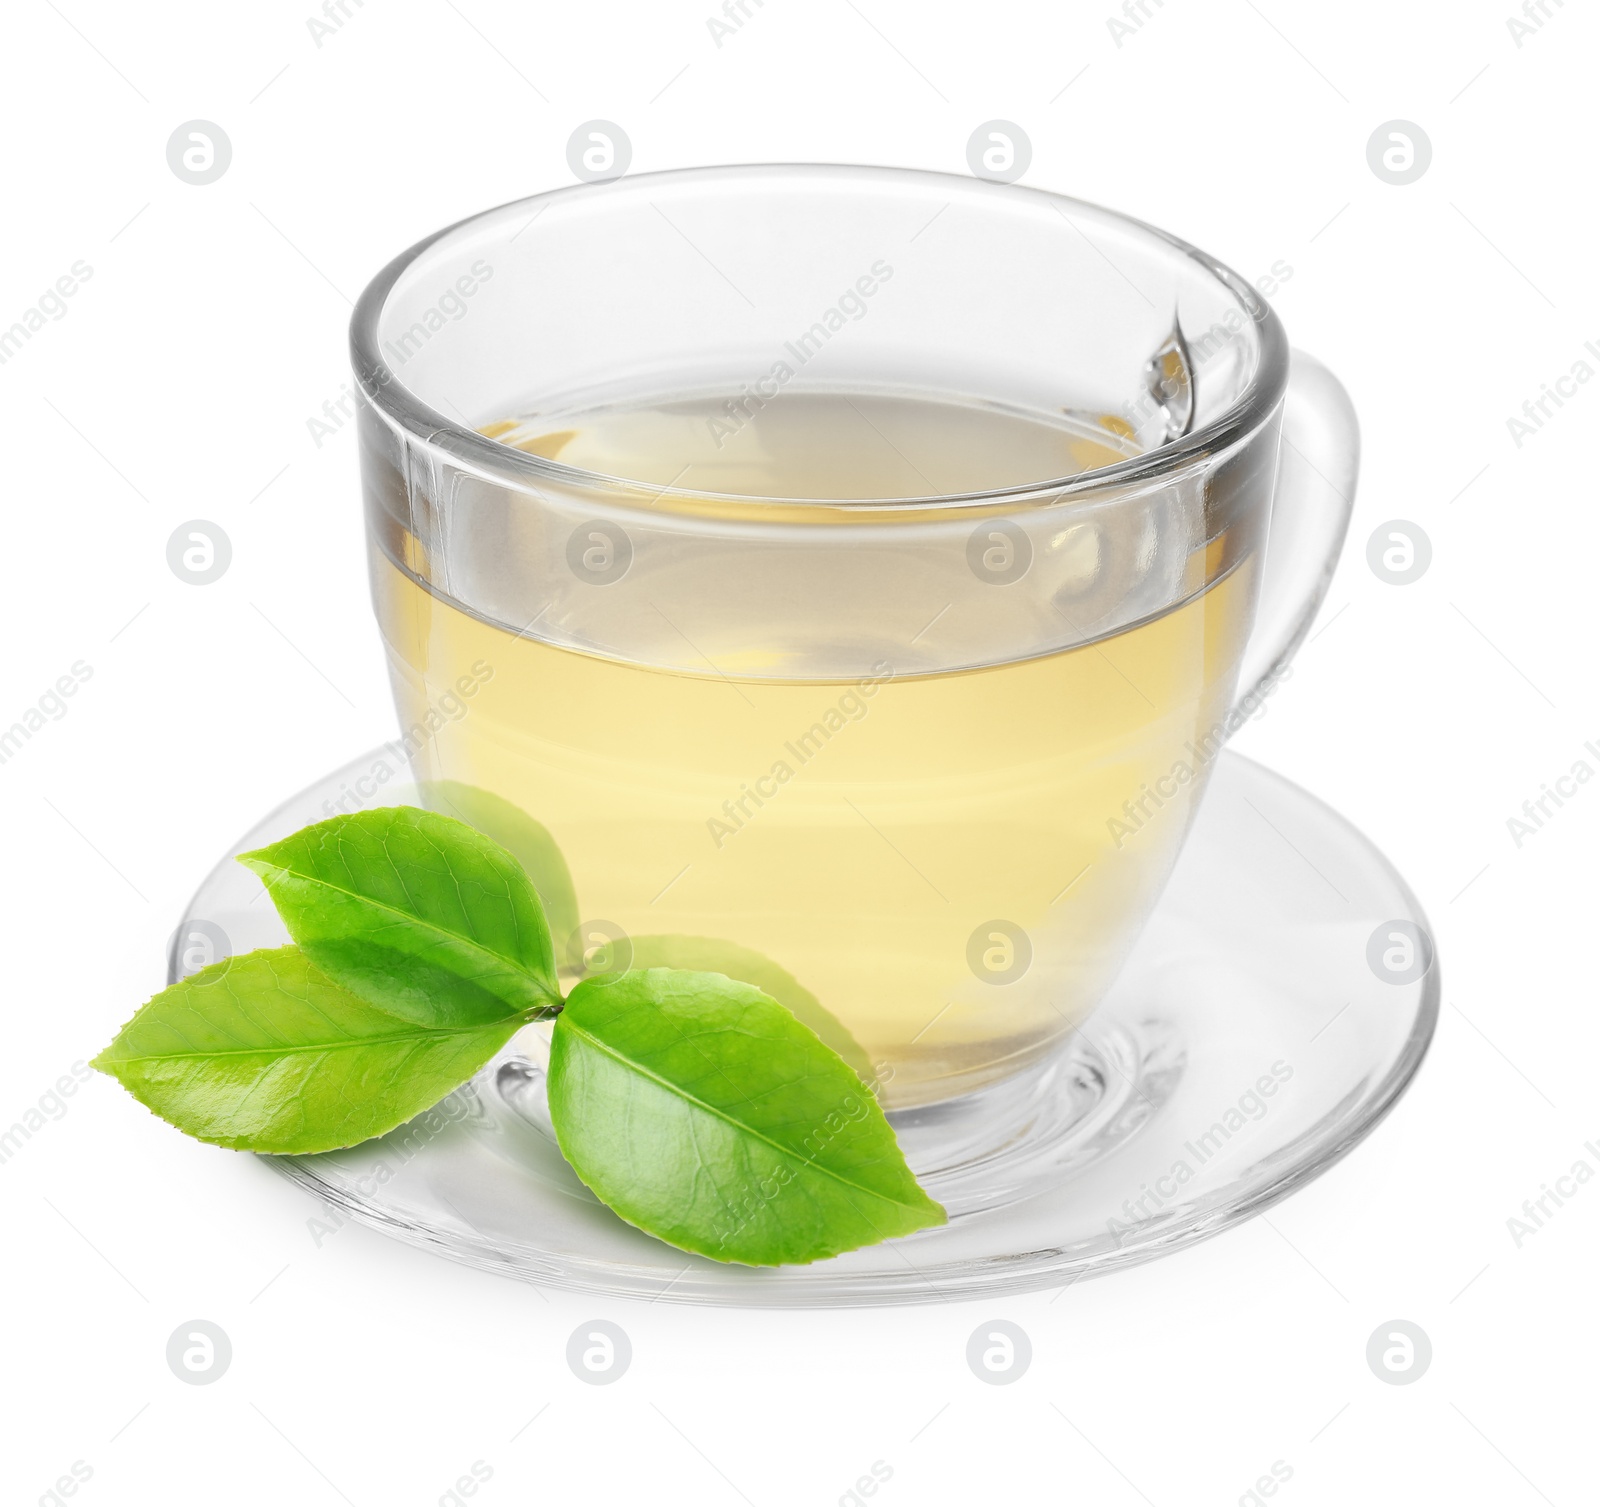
x,y
528,841
416,913
710,955
703,1112
262,1053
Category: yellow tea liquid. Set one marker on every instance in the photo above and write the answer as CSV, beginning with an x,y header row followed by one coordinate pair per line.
x,y
896,841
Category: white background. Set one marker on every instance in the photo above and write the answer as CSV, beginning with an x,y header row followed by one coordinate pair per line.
x,y
178,386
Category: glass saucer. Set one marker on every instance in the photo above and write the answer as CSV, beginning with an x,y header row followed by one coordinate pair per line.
x,y
1278,1003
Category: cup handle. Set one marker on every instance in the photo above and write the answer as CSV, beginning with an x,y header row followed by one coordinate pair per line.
x,y
1318,455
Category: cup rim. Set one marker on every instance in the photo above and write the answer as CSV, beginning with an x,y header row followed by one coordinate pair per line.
x,y
467,449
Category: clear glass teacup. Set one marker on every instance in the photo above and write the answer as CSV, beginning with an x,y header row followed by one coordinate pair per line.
x,y
849,574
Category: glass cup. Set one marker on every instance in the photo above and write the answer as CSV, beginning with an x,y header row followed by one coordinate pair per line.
x,y
840,577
